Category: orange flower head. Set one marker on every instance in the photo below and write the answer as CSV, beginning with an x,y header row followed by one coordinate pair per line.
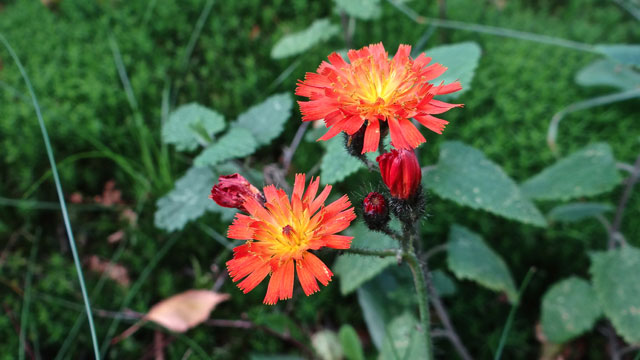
x,y
280,234
372,88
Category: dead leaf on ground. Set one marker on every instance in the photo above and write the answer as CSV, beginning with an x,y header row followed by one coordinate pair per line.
x,y
115,237
181,312
113,271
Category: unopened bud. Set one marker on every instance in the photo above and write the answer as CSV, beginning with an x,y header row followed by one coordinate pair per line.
x,y
231,191
376,211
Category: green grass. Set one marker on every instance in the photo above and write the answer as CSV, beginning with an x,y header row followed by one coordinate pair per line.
x,y
103,127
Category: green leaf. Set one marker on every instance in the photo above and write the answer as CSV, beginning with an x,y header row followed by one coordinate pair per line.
x,y
578,211
628,54
470,258
615,281
266,120
190,125
444,284
327,345
587,172
361,9
354,270
187,201
466,176
351,345
336,162
569,308
293,44
461,59
403,340
607,72
274,357
236,143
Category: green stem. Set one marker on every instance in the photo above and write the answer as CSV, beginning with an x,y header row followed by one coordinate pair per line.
x,y
423,300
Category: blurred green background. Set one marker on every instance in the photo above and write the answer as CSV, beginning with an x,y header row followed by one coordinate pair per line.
x,y
68,51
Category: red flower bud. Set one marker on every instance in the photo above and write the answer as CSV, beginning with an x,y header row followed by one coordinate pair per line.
x,y
400,172
376,211
231,190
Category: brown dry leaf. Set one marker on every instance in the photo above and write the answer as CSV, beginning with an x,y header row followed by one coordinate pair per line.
x,y
181,312
115,237
113,271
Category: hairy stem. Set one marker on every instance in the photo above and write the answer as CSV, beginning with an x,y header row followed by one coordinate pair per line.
x,y
423,300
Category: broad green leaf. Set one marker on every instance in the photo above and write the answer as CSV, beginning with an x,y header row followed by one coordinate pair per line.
x,y
628,54
578,211
327,345
403,340
354,270
466,176
351,345
293,44
470,258
615,280
587,172
443,283
278,322
187,201
607,72
266,120
236,143
336,162
361,9
191,125
461,59
569,308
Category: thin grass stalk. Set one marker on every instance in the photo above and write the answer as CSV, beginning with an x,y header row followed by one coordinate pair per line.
x,y
507,326
24,317
63,205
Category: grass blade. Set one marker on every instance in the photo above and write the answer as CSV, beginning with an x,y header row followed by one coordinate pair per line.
x,y
26,302
63,205
507,326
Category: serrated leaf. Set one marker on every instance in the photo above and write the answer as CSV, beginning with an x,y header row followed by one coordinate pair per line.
x,y
470,258
236,143
615,281
569,308
578,211
351,345
466,176
327,345
443,283
403,340
299,42
336,162
461,59
587,172
187,201
266,120
628,54
607,72
354,270
361,9
191,125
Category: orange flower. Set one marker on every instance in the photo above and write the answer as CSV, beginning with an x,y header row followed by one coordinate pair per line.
x,y
372,88
280,235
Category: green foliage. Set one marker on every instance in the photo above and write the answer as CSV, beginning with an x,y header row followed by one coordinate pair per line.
x,y
569,308
624,53
587,172
293,44
266,120
187,201
235,143
336,162
403,340
491,189
354,270
360,9
190,125
607,72
461,59
470,258
615,281
443,283
574,212
327,345
351,345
